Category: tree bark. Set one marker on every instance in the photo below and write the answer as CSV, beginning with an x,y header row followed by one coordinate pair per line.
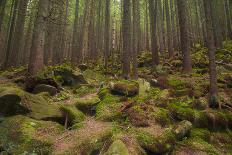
x,y
182,9
126,36
107,33
153,25
211,52
37,49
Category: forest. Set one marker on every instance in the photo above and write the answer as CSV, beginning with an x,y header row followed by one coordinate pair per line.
x,y
116,77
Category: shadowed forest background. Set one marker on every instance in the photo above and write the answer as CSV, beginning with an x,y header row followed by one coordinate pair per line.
x,y
115,77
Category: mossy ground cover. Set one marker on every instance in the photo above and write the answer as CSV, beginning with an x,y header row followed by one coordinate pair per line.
x,y
121,123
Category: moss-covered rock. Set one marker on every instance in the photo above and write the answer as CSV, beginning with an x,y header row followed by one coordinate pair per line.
x,y
124,87
69,76
117,148
165,142
45,88
31,105
195,146
87,103
72,114
20,134
109,108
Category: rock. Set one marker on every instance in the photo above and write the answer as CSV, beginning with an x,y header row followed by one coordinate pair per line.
x,y
15,101
20,134
45,88
72,113
126,88
70,78
160,82
87,103
32,82
117,148
182,129
10,104
83,67
165,142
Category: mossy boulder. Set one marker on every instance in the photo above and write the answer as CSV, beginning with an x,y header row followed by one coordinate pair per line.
x,y
15,101
109,109
72,114
165,142
195,146
69,77
87,103
20,134
117,148
124,87
45,88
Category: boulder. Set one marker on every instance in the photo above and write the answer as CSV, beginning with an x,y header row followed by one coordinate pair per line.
x,y
117,148
15,101
69,77
20,134
32,82
72,114
45,88
165,142
125,88
87,103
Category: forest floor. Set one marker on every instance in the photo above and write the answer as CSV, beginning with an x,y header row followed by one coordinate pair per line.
x,y
86,110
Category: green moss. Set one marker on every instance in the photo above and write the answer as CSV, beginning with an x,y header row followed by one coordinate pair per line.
x,y
160,144
103,92
161,115
37,106
197,143
200,133
117,148
125,87
109,108
21,134
84,90
74,115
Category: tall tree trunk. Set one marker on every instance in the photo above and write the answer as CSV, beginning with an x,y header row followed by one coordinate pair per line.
x,y
107,33
37,49
2,13
136,36
15,56
211,52
75,35
10,33
169,30
126,36
182,9
153,25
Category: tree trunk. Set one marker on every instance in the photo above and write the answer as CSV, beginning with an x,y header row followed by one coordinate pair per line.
x,y
37,49
10,33
126,36
75,35
154,44
211,52
15,56
182,9
107,33
136,36
169,30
